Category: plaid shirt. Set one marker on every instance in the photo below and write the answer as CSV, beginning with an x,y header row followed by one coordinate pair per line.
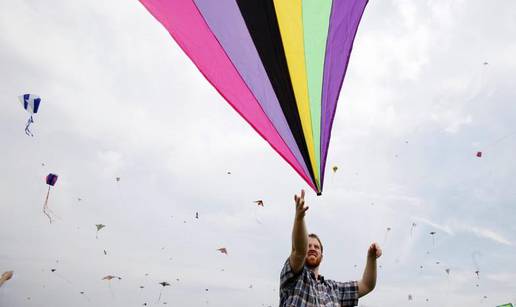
x,y
303,290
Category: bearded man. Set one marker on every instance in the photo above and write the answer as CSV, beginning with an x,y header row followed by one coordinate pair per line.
x,y
300,282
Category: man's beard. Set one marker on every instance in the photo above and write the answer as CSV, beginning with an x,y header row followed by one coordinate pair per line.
x,y
312,264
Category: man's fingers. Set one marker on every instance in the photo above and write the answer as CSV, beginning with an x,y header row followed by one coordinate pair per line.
x,y
300,203
376,248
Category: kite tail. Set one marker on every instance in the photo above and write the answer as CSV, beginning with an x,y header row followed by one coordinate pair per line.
x,y
111,290
159,298
256,216
45,206
27,130
86,297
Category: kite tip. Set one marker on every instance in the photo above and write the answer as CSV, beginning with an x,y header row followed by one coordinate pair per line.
x,y
319,193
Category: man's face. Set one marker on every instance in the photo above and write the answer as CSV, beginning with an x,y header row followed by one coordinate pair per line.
x,y
313,255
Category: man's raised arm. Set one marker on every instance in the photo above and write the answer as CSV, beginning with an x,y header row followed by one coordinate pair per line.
x,y
368,281
299,235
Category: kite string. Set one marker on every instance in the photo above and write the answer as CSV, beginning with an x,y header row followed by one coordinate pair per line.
x,y
63,278
499,140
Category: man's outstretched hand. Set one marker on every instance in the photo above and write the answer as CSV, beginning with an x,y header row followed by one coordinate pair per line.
x,y
374,251
300,205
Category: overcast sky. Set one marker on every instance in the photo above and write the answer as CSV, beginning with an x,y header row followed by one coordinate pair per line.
x,y
430,83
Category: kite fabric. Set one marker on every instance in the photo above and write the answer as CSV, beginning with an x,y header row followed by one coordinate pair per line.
x,y
279,63
31,104
51,179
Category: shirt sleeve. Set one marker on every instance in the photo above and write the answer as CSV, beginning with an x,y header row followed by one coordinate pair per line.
x,y
287,275
348,293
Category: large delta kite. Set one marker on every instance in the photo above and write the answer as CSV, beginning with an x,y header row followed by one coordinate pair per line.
x,y
279,63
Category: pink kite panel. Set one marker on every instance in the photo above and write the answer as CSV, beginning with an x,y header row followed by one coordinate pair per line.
x,y
186,25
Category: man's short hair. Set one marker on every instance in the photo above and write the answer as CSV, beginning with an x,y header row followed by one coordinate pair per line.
x,y
313,235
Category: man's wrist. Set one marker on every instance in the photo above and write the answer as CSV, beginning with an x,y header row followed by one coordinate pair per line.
x,y
371,258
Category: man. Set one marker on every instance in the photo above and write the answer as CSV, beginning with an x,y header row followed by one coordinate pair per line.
x,y
300,282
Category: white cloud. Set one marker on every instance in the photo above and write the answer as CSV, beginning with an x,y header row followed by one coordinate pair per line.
x,y
445,228
483,233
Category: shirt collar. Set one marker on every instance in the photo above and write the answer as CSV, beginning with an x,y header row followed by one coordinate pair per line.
x,y
321,278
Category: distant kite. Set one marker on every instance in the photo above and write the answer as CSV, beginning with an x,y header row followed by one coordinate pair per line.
x,y
412,228
479,154
335,168
5,277
259,202
387,230
223,250
110,277
280,64
99,227
51,181
432,233
31,104
163,284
